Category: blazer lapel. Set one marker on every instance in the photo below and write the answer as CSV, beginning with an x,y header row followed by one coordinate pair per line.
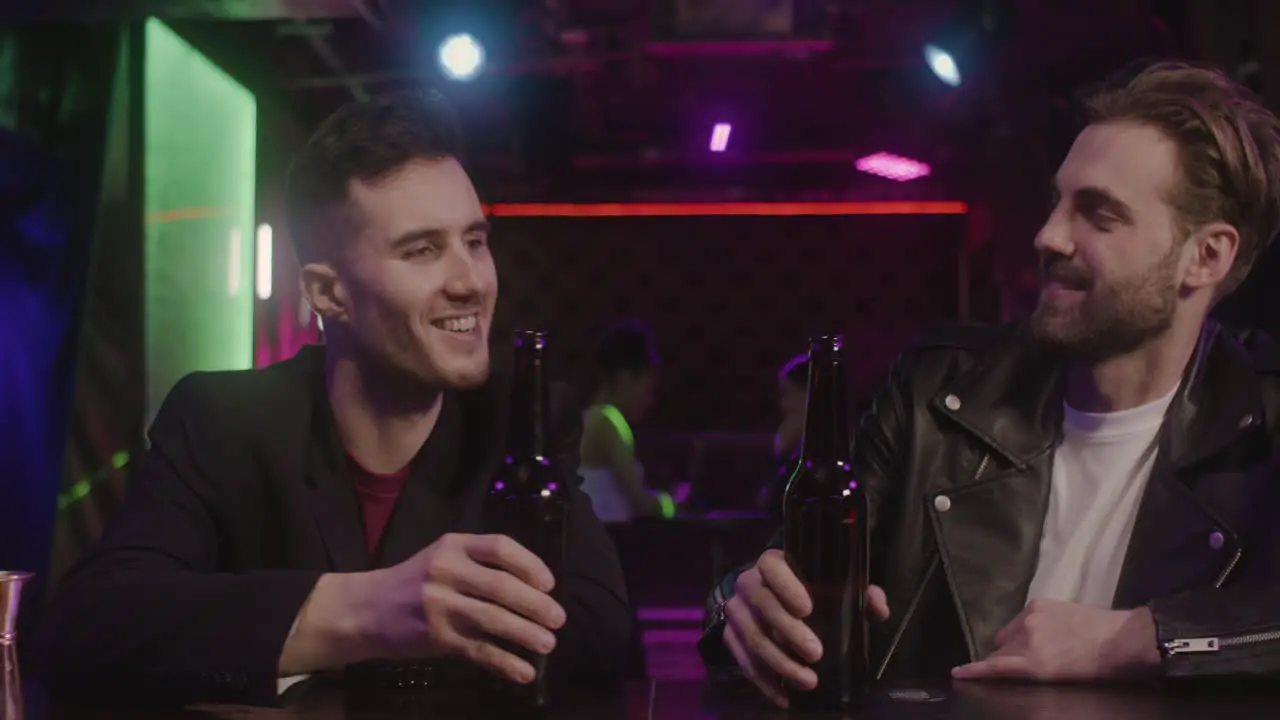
x,y
484,435
333,499
449,477
446,480
424,513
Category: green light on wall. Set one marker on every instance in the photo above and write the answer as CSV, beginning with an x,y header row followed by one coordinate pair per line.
x,y
81,489
200,158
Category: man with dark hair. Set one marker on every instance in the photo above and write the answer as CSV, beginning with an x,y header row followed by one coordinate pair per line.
x,y
1090,495
627,366
327,510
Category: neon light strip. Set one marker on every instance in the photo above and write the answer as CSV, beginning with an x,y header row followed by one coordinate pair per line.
x,y
737,47
262,264
81,489
689,614
670,637
923,207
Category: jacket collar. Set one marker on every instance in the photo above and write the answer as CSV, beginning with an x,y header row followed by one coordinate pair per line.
x,y
1219,397
423,511
1011,399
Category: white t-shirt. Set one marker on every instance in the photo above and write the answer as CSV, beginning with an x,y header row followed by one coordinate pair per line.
x,y
1099,474
607,497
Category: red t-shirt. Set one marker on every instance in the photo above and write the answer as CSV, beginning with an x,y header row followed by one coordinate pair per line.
x,y
378,494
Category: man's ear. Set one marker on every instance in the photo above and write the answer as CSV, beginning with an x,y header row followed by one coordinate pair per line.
x,y
1213,253
324,291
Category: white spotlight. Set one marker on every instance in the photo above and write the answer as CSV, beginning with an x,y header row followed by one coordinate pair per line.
x,y
942,65
461,57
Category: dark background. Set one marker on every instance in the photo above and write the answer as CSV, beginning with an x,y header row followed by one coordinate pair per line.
x,y
584,101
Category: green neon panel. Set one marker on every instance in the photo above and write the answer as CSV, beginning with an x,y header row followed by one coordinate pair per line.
x,y
200,155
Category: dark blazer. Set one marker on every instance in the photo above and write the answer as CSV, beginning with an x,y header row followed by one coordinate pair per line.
x,y
240,505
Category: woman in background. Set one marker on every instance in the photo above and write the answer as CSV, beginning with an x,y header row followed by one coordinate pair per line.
x,y
627,362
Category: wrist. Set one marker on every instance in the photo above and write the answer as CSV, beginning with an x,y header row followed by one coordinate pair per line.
x,y
354,624
334,628
1141,647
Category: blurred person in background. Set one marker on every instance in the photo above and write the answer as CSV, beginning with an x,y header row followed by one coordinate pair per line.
x,y
627,363
793,382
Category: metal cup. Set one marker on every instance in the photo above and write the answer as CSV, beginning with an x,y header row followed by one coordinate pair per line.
x,y
10,679
10,594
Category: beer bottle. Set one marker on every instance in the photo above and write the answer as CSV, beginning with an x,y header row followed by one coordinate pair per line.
x,y
826,535
527,498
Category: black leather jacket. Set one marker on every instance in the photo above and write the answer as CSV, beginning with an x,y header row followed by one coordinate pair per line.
x,y
957,454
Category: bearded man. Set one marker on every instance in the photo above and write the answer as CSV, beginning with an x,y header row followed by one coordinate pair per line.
x,y
1093,494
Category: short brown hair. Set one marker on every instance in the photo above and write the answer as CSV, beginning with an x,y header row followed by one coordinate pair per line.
x,y
366,140
1228,143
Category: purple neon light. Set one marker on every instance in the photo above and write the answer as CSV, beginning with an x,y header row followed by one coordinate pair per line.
x,y
720,136
686,614
671,637
892,167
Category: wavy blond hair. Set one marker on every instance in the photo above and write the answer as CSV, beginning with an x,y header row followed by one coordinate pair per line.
x,y
1228,144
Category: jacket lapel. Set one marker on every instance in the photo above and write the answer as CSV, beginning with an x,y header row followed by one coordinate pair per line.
x,y
484,428
1182,538
987,515
988,536
449,478
333,499
423,511
1010,401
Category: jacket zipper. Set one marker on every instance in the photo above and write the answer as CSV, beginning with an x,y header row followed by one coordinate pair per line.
x,y
928,575
1214,644
982,467
1179,646
1226,572
906,618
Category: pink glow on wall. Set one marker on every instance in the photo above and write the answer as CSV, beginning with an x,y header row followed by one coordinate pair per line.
x,y
892,167
720,137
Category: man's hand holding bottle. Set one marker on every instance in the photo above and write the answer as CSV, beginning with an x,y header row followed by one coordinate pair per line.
x,y
765,629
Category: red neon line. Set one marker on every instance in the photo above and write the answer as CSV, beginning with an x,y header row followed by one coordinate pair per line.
x,y
736,47
725,208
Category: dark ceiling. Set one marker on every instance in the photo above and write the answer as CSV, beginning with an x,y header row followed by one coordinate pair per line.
x,y
603,88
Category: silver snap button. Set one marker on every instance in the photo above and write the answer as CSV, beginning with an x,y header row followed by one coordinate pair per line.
x,y
952,402
1216,540
1246,421
942,503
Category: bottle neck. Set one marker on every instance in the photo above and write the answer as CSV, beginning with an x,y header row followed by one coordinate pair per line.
x,y
530,411
826,421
